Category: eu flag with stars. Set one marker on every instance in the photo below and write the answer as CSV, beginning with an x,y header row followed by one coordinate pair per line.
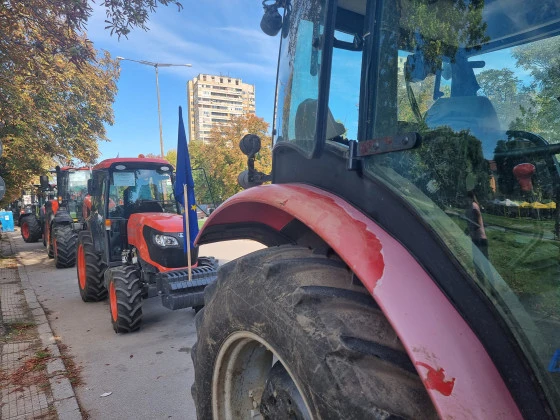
x,y
184,177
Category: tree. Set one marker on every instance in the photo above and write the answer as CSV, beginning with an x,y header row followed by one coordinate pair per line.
x,y
56,90
223,161
542,113
171,156
506,93
57,118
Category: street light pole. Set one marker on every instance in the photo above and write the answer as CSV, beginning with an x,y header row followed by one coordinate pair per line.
x,y
159,113
156,66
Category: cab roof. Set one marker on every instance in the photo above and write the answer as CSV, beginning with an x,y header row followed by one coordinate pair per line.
x,y
107,163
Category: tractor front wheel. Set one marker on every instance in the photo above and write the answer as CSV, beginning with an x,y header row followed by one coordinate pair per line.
x,y
30,229
285,333
125,298
90,269
64,246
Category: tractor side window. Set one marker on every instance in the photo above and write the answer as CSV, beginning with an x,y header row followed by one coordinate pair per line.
x,y
344,95
300,67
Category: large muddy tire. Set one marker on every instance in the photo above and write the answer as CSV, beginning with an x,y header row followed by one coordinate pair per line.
x,y
30,229
90,268
335,354
125,298
64,246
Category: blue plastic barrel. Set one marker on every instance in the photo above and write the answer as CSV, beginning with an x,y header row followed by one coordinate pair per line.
x,y
7,219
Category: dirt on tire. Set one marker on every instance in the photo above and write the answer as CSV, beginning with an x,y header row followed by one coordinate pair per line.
x,y
329,332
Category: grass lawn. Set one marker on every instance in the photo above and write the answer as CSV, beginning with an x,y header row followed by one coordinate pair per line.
x,y
527,257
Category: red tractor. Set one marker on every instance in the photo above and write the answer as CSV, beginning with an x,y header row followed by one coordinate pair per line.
x,y
63,215
411,270
132,246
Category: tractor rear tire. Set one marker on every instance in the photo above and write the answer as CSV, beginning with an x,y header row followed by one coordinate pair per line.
x,y
125,298
90,268
336,354
64,246
30,229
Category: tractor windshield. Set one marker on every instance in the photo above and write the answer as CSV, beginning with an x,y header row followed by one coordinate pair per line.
x,y
75,191
140,191
480,82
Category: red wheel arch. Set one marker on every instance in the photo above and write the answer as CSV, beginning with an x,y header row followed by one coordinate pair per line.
x,y
456,369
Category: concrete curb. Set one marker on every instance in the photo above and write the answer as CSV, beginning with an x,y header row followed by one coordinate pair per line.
x,y
64,398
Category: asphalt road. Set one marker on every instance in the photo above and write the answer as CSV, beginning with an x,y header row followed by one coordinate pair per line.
x,y
149,373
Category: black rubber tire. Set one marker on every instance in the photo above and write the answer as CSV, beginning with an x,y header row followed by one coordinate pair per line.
x,y
64,246
33,228
93,283
329,332
127,298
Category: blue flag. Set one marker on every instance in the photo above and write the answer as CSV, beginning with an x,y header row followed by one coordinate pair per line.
x,y
184,177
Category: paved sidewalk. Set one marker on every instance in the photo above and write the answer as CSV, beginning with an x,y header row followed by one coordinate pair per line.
x,y
33,378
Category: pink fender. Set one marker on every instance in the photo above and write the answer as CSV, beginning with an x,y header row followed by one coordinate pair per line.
x,y
457,372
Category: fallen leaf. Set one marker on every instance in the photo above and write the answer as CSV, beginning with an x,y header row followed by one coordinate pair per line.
x,y
105,394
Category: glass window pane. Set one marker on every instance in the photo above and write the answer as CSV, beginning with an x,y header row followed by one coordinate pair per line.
x,y
298,85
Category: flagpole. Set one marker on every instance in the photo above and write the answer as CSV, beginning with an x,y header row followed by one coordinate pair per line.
x,y
187,229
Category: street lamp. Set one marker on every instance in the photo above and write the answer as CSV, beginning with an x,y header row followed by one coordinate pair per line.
x,y
156,66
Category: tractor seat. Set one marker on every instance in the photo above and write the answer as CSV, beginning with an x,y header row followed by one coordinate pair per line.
x,y
306,121
473,113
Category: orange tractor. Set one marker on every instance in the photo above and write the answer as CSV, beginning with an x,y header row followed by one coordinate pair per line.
x,y
132,245
412,267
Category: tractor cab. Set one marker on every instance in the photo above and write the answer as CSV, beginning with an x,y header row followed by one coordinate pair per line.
x,y
405,130
123,188
134,236
72,189
63,215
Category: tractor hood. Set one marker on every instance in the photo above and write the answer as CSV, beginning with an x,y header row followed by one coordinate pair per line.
x,y
141,229
162,222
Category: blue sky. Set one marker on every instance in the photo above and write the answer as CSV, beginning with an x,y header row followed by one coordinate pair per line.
x,y
215,36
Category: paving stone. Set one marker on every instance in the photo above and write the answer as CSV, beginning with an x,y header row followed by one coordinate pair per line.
x,y
68,409
12,303
18,303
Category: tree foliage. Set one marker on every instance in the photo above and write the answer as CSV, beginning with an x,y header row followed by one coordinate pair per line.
x,y
56,90
542,113
59,117
217,163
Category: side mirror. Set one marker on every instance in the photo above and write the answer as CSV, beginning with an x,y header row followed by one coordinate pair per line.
x,y
44,181
90,187
250,144
243,180
271,22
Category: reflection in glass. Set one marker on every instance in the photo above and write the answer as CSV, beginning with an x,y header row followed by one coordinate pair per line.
x,y
480,82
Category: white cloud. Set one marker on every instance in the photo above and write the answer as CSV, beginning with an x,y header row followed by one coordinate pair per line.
x,y
181,38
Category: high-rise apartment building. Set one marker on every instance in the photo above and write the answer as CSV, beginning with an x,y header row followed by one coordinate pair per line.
x,y
214,100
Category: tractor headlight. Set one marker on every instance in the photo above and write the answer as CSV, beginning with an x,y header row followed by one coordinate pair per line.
x,y
165,240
